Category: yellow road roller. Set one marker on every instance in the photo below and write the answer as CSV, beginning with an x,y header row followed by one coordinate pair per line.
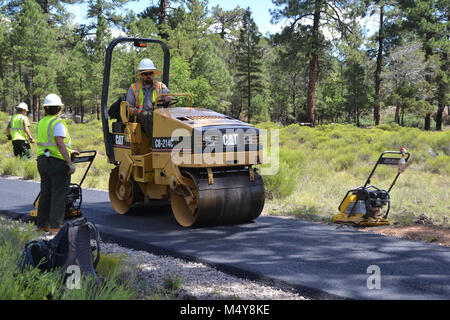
x,y
202,161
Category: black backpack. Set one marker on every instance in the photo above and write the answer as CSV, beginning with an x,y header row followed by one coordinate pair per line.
x,y
114,109
70,246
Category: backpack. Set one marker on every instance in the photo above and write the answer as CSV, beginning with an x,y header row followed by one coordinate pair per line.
x,y
114,109
70,246
37,253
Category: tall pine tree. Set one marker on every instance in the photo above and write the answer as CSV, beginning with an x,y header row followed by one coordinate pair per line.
x,y
428,20
322,13
36,56
249,56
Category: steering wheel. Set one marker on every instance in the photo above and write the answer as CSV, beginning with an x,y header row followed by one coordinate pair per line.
x,y
167,104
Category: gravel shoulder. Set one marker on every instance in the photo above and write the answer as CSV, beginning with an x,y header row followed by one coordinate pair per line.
x,y
197,281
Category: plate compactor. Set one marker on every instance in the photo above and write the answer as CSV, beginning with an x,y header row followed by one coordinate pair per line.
x,y
369,205
199,160
74,198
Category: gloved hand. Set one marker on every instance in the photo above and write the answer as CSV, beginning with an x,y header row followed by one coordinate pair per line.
x,y
74,154
32,140
71,170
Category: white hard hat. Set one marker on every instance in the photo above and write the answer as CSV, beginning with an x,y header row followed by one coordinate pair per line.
x,y
52,100
22,106
147,65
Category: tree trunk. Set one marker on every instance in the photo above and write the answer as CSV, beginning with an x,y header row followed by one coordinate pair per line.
x,y
403,117
427,122
428,53
37,106
293,94
29,97
357,116
314,65
162,12
294,108
377,106
443,88
82,111
162,17
397,114
249,113
81,102
439,116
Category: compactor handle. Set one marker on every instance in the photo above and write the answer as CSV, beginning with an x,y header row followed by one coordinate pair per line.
x,y
389,161
392,161
85,158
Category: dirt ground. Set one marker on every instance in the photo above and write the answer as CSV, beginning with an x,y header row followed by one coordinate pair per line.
x,y
421,232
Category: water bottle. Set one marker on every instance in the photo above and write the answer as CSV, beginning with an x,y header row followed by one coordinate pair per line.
x,y
402,161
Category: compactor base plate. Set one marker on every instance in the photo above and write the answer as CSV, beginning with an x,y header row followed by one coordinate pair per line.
x,y
358,220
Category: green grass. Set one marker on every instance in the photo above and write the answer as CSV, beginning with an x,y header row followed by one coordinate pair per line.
x,y
337,158
32,284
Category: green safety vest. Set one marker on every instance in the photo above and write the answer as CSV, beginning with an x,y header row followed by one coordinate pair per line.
x,y
139,93
17,126
46,140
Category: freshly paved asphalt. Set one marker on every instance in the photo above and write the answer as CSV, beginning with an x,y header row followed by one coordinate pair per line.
x,y
321,261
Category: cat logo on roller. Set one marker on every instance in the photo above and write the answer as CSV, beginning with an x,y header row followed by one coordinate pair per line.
x,y
213,181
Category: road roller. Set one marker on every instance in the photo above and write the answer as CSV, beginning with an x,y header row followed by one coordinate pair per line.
x,y
201,161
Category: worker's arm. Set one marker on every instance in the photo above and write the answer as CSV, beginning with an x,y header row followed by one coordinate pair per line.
x,y
165,90
62,149
8,130
27,131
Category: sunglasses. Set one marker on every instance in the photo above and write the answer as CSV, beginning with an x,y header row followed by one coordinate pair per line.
x,y
147,74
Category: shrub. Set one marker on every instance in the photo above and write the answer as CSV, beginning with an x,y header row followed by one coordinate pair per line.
x,y
439,165
11,166
109,264
284,182
30,171
344,161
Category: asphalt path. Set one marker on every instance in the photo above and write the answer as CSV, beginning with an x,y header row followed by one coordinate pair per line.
x,y
322,261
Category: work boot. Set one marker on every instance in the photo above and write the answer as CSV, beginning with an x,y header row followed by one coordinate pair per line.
x,y
54,231
45,229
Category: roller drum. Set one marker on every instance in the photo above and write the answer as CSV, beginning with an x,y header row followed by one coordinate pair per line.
x,y
231,199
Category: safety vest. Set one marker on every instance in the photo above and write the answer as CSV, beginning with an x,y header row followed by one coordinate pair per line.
x,y
139,93
46,140
17,126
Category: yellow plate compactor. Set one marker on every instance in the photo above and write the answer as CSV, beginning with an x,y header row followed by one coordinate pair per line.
x,y
369,205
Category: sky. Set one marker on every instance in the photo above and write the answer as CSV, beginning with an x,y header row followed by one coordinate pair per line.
x,y
259,8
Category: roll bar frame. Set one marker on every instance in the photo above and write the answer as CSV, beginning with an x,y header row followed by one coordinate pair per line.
x,y
108,137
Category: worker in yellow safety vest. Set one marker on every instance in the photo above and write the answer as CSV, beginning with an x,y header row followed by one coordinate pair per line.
x,y
18,130
142,95
54,165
